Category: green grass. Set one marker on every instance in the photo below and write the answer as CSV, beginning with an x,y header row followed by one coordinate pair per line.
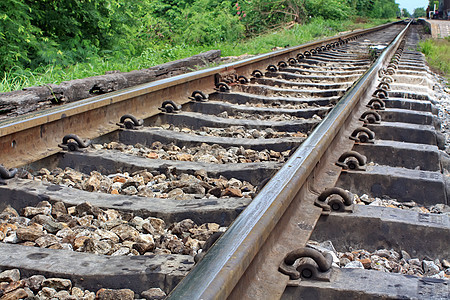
x,y
437,52
17,78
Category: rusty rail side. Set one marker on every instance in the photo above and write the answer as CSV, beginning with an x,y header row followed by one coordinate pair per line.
x,y
35,136
219,272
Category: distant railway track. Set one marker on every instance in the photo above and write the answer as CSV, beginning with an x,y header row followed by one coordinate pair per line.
x,y
274,148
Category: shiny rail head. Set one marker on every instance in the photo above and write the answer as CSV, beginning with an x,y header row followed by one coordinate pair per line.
x,y
240,243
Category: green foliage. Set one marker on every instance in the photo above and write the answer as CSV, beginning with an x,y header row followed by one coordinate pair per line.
x,y
432,3
208,22
17,34
384,9
438,54
35,32
272,12
83,35
419,12
193,21
328,9
17,78
405,13
263,14
375,8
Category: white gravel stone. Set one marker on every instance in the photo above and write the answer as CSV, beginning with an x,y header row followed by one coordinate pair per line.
x,y
354,265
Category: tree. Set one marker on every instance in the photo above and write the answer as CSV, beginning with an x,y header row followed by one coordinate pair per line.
x,y
405,13
17,34
328,9
42,32
46,32
374,8
419,12
432,3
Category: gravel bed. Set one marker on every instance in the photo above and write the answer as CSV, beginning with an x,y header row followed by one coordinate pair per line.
x,y
15,286
203,153
150,184
282,105
442,102
375,201
331,69
86,228
288,86
313,87
265,117
236,132
384,260
318,80
291,95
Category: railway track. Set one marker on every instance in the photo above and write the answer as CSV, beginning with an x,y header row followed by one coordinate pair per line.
x,y
274,166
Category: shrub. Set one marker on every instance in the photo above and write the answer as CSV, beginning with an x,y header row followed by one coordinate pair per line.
x,y
328,9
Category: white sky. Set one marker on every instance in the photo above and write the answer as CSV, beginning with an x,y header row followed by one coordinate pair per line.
x,y
411,4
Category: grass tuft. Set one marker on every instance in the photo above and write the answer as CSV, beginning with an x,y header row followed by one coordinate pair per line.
x,y
437,52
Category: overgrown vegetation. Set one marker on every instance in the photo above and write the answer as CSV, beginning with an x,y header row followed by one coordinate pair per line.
x,y
54,41
419,12
437,52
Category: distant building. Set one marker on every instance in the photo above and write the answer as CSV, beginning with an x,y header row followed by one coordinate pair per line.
x,y
444,9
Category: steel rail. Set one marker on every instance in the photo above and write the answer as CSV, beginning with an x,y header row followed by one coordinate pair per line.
x,y
217,274
34,136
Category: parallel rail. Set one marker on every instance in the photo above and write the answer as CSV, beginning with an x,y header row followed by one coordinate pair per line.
x,y
35,136
222,269
203,159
